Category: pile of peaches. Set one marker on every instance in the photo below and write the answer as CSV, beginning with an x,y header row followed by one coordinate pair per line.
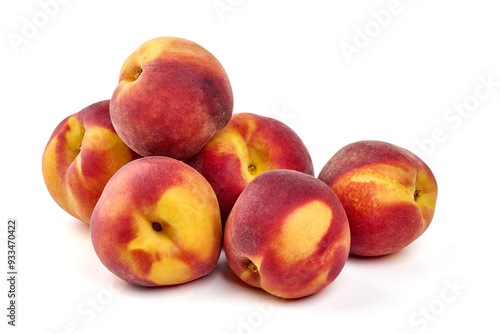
x,y
167,176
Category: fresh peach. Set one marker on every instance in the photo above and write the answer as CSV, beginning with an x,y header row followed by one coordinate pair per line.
x,y
287,234
157,223
389,195
247,147
81,155
172,96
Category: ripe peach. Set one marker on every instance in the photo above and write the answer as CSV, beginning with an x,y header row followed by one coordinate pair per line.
x,y
389,195
157,223
172,96
247,147
81,155
287,234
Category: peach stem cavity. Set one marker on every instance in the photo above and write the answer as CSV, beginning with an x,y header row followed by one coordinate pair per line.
x,y
157,227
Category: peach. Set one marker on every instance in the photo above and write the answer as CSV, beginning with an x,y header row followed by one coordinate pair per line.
x,y
157,223
389,195
172,96
247,147
80,157
287,234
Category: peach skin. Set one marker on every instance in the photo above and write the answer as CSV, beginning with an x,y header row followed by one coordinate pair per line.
x,y
287,234
389,195
157,223
172,96
80,157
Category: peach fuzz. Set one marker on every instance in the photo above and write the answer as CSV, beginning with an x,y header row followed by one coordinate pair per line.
x,y
389,195
157,223
172,96
287,234
80,157
247,147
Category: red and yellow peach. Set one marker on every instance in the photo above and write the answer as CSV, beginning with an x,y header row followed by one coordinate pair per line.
x,y
172,96
157,223
389,195
287,234
80,157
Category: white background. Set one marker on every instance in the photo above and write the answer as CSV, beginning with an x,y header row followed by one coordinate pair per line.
x,y
284,59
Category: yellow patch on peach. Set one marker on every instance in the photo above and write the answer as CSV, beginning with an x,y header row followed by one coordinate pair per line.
x,y
182,216
74,136
256,164
427,195
229,134
163,246
252,162
55,181
49,168
150,240
302,230
180,208
100,138
393,190
169,271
